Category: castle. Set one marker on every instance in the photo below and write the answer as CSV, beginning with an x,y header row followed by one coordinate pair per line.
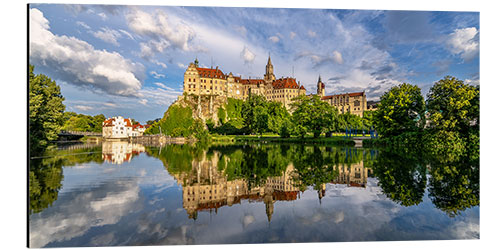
x,y
208,81
213,82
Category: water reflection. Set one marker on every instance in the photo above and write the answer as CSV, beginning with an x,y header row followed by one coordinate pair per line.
x,y
308,187
118,152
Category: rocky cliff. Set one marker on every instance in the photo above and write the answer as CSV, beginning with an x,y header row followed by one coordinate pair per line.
x,y
204,107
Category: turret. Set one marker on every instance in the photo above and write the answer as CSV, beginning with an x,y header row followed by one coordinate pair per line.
x,y
321,88
269,76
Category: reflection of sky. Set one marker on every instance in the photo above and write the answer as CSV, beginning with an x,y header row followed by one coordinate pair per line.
x,y
139,203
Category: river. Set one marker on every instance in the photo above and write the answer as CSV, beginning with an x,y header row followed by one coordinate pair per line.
x,y
124,194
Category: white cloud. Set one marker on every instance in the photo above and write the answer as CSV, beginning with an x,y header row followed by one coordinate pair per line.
x,y
242,30
84,25
182,66
464,42
292,35
83,107
108,35
274,39
77,62
103,16
160,96
163,86
127,34
337,57
157,75
110,104
161,29
163,65
247,55
311,33
143,102
474,82
320,60
153,47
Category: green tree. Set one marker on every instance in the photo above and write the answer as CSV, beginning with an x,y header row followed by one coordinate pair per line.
x,y
368,120
287,128
177,121
254,112
46,109
97,122
453,105
453,111
401,110
277,116
221,114
313,115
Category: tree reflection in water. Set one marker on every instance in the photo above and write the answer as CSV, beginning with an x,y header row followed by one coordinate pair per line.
x,y
221,175
46,175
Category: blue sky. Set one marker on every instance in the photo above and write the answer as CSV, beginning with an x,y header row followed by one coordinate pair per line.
x,y
130,60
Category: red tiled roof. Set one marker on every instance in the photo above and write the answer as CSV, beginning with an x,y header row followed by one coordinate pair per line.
x,y
288,83
302,87
252,81
211,73
356,94
108,122
127,123
138,125
350,94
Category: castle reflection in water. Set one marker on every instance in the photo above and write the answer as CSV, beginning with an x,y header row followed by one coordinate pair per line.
x,y
205,188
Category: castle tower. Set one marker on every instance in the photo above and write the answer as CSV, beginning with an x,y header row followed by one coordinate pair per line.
x,y
321,87
269,76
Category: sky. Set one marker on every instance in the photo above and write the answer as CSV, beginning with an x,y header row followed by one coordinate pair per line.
x,y
130,60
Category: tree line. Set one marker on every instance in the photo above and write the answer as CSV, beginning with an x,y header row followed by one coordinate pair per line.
x,y
448,121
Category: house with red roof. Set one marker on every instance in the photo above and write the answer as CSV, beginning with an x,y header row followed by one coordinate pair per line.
x,y
117,128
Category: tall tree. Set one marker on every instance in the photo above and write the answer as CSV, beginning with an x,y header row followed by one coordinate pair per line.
x,y
401,110
453,105
277,116
46,109
254,110
313,115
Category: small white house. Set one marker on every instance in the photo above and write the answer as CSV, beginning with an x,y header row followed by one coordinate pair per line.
x,y
138,129
117,128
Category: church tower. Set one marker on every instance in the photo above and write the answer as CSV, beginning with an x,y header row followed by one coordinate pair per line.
x,y
321,88
269,76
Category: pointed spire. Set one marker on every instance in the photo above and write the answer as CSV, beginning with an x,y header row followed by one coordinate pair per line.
x,y
269,60
319,79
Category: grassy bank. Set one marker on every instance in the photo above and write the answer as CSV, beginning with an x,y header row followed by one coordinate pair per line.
x,y
334,140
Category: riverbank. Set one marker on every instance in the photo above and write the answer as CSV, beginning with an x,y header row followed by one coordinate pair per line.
x,y
334,140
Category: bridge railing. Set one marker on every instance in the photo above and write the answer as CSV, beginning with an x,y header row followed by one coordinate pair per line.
x,y
64,132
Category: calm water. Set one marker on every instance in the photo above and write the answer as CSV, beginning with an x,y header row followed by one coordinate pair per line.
x,y
118,193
